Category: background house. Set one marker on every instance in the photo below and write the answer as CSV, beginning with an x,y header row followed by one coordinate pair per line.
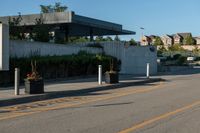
x,y
148,40
179,37
152,38
145,40
167,40
197,39
184,39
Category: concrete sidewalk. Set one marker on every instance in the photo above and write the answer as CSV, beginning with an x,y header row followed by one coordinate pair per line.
x,y
58,89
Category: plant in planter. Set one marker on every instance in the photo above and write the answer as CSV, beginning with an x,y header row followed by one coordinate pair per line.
x,y
34,83
111,77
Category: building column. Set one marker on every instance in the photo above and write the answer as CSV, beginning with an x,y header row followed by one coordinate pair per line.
x,y
67,34
91,35
4,47
59,36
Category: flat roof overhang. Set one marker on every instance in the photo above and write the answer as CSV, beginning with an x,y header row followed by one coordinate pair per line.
x,y
75,25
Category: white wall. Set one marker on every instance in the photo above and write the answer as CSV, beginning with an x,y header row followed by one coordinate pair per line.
x,y
27,48
197,40
133,58
4,47
190,47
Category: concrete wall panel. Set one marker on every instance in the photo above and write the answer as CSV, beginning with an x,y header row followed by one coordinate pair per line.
x,y
27,49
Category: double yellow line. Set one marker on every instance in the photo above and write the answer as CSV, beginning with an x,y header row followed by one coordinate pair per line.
x,y
39,110
163,116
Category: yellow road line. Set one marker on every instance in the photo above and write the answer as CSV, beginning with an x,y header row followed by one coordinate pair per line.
x,y
38,110
43,103
14,115
163,116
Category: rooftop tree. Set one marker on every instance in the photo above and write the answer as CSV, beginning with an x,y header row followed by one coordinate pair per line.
x,y
16,31
58,7
41,31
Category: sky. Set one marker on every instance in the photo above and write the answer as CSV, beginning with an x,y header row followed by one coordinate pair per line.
x,y
157,17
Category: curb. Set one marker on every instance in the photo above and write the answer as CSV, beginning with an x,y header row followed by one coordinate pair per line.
x,y
69,93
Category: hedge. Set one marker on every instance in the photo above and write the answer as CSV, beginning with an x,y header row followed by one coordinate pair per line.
x,y
53,67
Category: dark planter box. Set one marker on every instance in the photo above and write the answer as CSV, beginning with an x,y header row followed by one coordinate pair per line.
x,y
34,87
111,78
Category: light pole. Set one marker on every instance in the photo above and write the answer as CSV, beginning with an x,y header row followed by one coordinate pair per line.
x,y
142,34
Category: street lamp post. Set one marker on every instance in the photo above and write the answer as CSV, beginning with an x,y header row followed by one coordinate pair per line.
x,y
142,34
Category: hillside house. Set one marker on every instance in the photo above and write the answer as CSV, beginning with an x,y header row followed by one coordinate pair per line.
x,y
179,37
197,39
167,40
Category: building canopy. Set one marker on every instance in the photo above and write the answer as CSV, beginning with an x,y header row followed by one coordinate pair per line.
x,y
72,24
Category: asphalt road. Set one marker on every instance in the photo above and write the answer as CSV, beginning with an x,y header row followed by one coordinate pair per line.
x,y
166,107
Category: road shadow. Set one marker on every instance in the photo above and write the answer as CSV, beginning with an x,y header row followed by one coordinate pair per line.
x,y
103,105
112,104
81,92
89,91
74,80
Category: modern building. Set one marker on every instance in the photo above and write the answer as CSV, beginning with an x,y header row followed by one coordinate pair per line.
x,y
67,24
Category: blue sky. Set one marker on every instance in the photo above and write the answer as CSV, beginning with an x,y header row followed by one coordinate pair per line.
x,y
158,17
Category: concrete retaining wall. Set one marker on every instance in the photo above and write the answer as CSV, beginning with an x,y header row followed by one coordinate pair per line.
x,y
27,48
133,58
190,47
173,68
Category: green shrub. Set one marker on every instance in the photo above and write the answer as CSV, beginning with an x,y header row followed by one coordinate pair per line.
x,y
52,67
197,59
181,60
95,45
176,56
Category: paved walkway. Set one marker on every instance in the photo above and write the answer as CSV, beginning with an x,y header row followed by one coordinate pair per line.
x,y
64,88
51,86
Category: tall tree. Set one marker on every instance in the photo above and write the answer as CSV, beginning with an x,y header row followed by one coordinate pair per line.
x,y
46,9
161,50
99,39
109,39
196,50
117,38
189,41
59,8
158,41
132,42
176,47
